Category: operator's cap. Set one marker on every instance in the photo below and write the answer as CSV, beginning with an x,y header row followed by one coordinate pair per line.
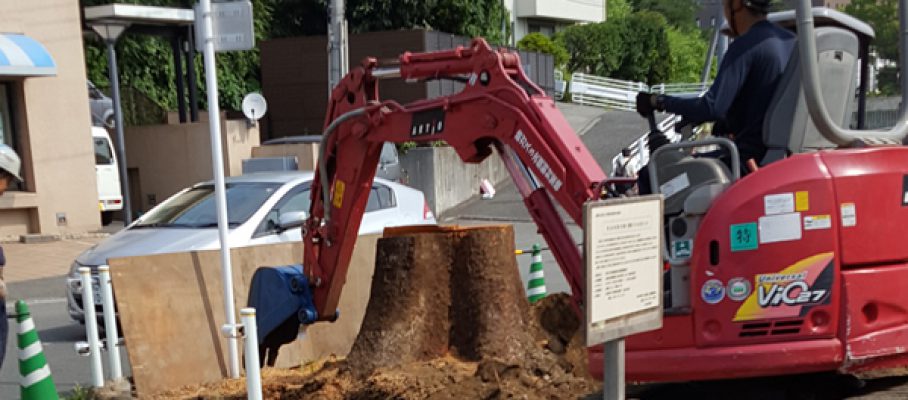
x,y
10,162
758,5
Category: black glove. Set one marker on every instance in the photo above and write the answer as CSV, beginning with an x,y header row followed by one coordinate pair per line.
x,y
645,104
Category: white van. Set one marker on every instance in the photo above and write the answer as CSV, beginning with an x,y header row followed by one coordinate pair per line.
x,y
110,197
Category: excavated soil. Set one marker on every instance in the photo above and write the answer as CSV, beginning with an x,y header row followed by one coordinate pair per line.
x,y
447,319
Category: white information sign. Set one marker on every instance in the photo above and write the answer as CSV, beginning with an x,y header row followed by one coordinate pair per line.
x,y
623,255
231,25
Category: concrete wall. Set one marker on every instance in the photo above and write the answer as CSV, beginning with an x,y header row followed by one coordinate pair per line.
x,y
444,178
52,127
306,153
169,158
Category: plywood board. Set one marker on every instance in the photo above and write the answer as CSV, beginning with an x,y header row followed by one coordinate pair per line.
x,y
171,309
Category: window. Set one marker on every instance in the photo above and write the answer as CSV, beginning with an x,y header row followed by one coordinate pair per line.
x,y
196,208
8,127
380,198
103,154
297,199
544,28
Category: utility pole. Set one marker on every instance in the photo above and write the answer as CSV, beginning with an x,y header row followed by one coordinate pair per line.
x,y
337,44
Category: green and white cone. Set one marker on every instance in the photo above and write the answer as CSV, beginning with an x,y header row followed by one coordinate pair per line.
x,y
35,382
536,285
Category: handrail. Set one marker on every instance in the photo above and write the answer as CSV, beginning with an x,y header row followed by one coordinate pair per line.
x,y
810,76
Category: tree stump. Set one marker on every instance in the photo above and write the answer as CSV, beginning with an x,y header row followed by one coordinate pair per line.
x,y
440,291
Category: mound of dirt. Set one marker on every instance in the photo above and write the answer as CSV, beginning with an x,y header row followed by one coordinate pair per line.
x,y
555,368
447,319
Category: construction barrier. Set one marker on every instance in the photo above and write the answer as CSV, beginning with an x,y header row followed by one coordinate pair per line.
x,y
35,380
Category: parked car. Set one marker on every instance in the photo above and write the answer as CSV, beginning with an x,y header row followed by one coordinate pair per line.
x,y
110,197
262,208
388,161
102,112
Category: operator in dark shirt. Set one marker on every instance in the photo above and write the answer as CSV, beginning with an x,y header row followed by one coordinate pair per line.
x,y
745,83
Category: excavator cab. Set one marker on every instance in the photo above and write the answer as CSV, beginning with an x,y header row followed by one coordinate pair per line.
x,y
797,267
691,184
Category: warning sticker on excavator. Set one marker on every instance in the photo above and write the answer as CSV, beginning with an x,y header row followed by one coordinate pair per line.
x,y
744,237
675,185
339,188
782,203
813,222
802,201
849,215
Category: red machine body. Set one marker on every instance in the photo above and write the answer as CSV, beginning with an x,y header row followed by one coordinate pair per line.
x,y
830,296
827,295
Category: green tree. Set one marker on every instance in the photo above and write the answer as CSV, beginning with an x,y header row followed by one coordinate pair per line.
x,y
678,13
145,63
461,17
647,53
543,44
632,48
883,16
618,8
688,53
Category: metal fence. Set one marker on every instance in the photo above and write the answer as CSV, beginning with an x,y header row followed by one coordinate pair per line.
x,y
597,91
877,119
592,90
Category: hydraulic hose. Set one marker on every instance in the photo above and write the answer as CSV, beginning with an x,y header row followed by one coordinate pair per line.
x,y
322,160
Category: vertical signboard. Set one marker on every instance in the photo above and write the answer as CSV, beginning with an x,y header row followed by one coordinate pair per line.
x,y
623,255
623,248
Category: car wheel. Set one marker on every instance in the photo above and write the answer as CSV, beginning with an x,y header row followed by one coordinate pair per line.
x,y
106,217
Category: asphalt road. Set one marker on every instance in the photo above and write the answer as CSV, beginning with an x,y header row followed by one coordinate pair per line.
x,y
58,334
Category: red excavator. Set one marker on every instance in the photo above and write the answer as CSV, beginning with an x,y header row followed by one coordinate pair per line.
x,y
796,267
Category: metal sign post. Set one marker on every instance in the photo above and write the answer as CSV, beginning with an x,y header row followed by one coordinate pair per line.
x,y
110,33
211,24
623,256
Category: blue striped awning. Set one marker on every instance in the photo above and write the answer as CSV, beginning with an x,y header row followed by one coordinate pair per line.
x,y
21,55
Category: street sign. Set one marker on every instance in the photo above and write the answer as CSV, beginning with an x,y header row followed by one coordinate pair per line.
x,y
231,26
623,257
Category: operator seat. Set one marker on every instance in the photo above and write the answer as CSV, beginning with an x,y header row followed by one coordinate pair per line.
x,y
787,128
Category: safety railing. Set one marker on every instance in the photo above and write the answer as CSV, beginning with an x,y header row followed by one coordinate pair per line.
x,y
597,91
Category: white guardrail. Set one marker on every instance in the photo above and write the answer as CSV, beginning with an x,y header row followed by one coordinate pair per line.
x,y
592,90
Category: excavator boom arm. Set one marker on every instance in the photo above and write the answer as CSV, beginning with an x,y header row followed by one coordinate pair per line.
x,y
499,109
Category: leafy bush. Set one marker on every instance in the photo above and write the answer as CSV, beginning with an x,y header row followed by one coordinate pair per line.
x,y
640,46
543,44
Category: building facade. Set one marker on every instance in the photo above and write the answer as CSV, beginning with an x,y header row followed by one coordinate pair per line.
x,y
44,115
550,16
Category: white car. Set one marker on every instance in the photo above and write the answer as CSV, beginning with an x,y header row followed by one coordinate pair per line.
x,y
262,208
110,197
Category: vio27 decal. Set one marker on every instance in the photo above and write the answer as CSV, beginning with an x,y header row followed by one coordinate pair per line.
x,y
791,292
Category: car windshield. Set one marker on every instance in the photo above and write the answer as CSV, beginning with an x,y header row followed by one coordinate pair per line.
x,y
195,208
